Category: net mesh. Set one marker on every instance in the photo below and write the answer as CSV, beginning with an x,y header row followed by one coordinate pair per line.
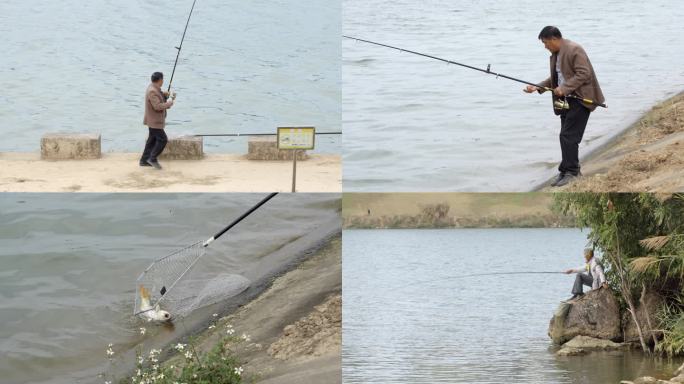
x,y
169,284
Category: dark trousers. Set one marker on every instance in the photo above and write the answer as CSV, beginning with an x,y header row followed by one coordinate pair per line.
x,y
156,141
581,279
573,123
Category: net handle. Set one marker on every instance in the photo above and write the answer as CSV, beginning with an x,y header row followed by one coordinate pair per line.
x,y
239,219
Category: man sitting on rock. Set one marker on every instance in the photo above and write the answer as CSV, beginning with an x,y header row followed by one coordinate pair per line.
x,y
590,274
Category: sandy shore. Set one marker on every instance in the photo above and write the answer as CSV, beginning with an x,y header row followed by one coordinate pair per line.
x,y
120,172
295,325
647,157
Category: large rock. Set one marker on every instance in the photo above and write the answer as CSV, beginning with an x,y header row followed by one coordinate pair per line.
x,y
580,345
651,303
595,314
183,148
70,146
266,148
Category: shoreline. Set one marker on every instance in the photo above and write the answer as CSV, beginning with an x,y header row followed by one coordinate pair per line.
x,y
463,210
647,156
274,355
120,172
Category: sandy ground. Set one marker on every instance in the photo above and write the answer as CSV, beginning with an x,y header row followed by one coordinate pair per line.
x,y
296,325
120,172
647,157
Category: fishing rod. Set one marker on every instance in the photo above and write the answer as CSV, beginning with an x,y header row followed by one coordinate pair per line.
x,y
492,274
258,134
487,71
180,46
239,219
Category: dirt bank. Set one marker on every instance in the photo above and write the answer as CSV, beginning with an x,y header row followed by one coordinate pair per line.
x,y
295,326
443,210
648,156
120,172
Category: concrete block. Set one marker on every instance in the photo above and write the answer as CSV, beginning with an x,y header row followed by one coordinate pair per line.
x,y
183,148
266,148
70,146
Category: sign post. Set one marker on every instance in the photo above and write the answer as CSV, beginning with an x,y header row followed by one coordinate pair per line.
x,y
296,139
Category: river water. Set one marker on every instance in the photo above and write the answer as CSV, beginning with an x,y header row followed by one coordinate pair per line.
x,y
415,124
245,67
70,262
424,324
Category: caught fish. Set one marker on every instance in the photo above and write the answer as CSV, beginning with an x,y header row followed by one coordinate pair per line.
x,y
148,311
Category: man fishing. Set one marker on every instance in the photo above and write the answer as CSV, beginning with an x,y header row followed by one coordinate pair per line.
x,y
591,274
571,76
156,104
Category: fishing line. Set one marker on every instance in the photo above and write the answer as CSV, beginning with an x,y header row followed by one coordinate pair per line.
x,y
490,274
487,71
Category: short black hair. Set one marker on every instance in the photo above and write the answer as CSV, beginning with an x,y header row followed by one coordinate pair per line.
x,y
550,32
157,76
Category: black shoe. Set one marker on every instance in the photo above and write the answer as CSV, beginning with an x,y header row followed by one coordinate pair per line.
x,y
155,164
567,179
558,178
144,164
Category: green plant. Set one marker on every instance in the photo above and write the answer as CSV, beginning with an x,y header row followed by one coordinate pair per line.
x,y
189,365
641,238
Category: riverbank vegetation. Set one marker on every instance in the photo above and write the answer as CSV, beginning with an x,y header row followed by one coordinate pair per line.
x,y
641,239
462,210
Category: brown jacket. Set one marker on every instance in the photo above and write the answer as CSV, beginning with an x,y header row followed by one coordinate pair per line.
x,y
155,107
579,75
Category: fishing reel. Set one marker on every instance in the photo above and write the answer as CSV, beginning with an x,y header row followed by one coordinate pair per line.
x,y
561,103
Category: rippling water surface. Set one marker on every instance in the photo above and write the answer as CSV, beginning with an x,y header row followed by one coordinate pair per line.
x,y
410,318
415,124
246,66
68,265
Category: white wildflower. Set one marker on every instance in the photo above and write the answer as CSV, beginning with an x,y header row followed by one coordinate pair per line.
x,y
143,330
188,355
180,347
215,315
246,337
238,371
212,326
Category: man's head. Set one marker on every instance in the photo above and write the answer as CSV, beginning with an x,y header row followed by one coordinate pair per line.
x,y
157,78
588,254
552,38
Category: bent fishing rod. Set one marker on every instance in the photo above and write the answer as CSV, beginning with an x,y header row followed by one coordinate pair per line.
x,y
487,71
179,47
256,134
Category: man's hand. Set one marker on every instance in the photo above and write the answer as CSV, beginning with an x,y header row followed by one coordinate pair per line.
x,y
166,94
569,271
171,102
558,92
530,89
173,95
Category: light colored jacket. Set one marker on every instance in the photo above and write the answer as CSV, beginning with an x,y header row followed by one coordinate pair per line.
x,y
155,107
578,73
595,270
